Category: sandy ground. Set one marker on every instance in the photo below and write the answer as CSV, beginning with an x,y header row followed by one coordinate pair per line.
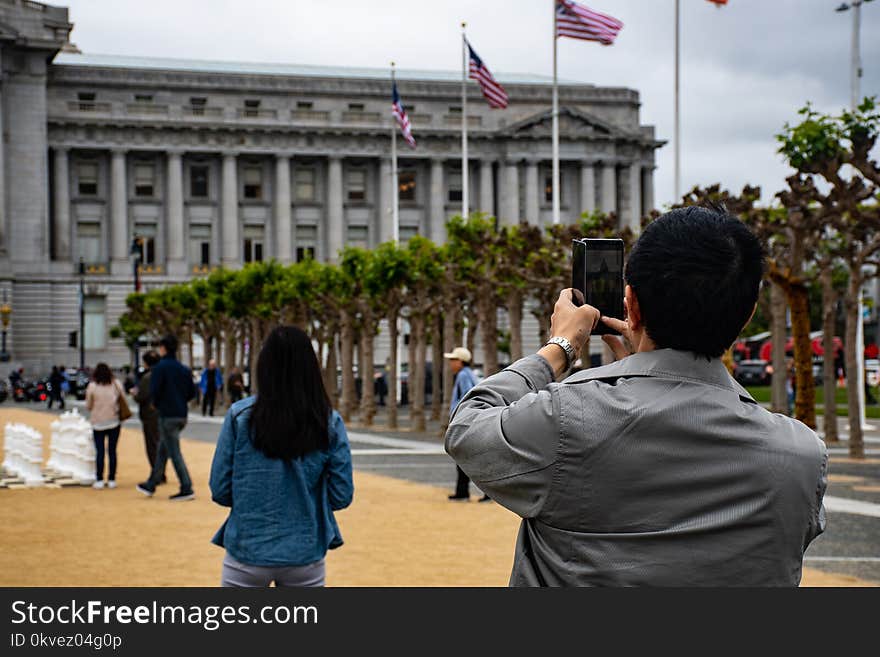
x,y
397,533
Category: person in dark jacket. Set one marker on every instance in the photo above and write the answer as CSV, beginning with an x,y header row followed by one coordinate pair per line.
x,y
171,388
210,384
147,412
235,385
283,466
56,381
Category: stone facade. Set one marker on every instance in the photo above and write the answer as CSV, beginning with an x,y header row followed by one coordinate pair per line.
x,y
219,163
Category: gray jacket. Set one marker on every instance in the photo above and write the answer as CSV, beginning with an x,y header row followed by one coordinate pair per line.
x,y
656,470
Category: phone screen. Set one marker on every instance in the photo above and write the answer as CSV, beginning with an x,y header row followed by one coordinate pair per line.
x,y
599,264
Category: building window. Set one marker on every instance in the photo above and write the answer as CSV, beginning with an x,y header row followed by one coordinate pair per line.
x,y
198,182
95,326
197,105
143,98
355,107
253,182
305,184
305,106
253,243
407,232
87,178
406,183
88,241
147,233
357,185
144,179
455,110
359,236
306,239
455,185
200,245
86,101
251,107
548,188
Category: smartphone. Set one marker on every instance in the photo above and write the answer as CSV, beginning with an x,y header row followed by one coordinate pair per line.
x,y
597,271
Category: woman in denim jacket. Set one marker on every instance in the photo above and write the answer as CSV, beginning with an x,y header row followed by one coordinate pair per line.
x,y
283,466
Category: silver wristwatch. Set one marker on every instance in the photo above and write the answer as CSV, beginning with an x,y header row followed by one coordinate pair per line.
x,y
570,353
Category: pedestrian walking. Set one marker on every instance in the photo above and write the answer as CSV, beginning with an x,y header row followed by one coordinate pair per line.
x,y
56,391
211,383
171,389
147,412
235,385
658,469
283,466
105,402
464,379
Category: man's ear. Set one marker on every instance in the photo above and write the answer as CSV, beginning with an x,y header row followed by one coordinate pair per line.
x,y
633,311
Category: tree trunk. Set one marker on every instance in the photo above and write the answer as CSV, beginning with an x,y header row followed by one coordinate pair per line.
x,y
208,341
330,369
254,347
851,303
229,350
829,376
451,339
392,369
515,316
805,394
189,342
473,325
779,398
368,397
437,366
417,339
347,402
489,334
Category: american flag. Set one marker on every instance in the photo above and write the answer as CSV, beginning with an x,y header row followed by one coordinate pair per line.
x,y
492,91
580,22
400,114
718,3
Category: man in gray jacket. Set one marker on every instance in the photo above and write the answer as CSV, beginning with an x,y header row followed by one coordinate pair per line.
x,y
659,469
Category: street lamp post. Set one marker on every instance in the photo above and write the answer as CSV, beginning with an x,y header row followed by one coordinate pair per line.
x,y
855,92
82,315
5,316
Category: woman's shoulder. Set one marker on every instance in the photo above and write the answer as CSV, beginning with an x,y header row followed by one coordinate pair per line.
x,y
242,407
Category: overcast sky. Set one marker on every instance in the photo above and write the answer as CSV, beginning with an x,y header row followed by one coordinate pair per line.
x,y
746,68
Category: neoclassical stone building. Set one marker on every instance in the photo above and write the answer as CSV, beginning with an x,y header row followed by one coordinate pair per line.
x,y
219,163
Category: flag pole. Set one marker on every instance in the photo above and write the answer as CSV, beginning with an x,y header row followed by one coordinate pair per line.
x,y
464,124
395,236
676,119
555,126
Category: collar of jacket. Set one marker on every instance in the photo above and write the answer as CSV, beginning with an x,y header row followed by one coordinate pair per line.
x,y
668,364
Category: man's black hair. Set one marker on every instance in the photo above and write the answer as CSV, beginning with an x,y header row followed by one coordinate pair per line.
x,y
697,273
170,344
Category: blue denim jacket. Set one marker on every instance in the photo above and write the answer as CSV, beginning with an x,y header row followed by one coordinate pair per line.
x,y
281,510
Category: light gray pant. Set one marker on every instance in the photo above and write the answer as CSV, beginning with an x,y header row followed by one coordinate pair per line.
x,y
237,574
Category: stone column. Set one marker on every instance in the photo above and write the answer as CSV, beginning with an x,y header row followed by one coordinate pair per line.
x,y
648,187
609,187
533,207
61,200
588,186
283,220
231,251
437,218
509,199
635,197
335,214
487,188
386,198
119,246
175,228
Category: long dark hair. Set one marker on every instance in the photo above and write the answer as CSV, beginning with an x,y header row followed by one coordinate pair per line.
x,y
102,374
292,412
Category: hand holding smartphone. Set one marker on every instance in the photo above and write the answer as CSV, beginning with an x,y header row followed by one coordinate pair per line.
x,y
597,272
